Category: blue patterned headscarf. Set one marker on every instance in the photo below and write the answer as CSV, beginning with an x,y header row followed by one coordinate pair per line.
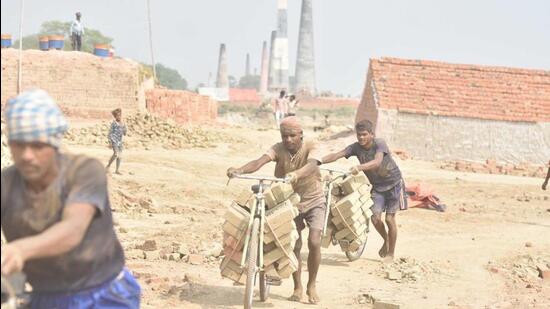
x,y
33,116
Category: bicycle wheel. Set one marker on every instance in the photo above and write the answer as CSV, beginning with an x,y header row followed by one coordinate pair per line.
x,y
264,287
251,264
354,255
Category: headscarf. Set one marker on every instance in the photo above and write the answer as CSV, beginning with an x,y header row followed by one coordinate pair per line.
x,y
33,116
291,124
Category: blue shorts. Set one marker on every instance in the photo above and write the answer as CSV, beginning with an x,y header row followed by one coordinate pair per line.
x,y
388,201
123,292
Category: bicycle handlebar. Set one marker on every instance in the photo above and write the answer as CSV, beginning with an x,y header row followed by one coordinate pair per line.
x,y
259,177
334,170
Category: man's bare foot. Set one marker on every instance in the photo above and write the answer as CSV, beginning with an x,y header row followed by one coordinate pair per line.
x,y
118,173
297,295
383,250
388,259
312,296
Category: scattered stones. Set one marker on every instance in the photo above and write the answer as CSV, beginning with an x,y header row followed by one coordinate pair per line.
x,y
195,259
384,305
148,245
394,275
528,244
146,130
407,269
492,167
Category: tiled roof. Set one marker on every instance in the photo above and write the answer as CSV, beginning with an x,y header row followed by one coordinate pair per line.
x,y
461,90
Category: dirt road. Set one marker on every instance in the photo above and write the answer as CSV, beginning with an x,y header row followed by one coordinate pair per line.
x,y
481,253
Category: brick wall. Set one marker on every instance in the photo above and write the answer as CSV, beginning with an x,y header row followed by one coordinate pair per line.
x,y
84,85
181,106
326,102
456,138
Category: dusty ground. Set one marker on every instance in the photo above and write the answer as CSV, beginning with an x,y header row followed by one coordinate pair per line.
x,y
481,253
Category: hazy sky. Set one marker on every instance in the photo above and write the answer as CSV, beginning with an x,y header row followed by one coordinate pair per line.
x,y
187,34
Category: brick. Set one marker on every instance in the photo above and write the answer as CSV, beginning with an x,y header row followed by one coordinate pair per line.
x,y
280,230
378,304
358,227
285,212
281,191
236,215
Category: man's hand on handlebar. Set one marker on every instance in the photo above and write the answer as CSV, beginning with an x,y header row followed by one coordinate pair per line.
x,y
13,259
355,170
232,172
291,178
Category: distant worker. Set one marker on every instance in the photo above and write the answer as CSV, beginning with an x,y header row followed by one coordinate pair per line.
x,y
117,131
385,177
77,30
56,216
545,183
281,106
292,106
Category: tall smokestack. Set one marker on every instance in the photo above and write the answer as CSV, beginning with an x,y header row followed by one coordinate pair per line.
x,y
264,70
272,60
247,67
222,80
280,58
305,60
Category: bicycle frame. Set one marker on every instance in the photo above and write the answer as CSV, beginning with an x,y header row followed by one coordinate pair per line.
x,y
257,211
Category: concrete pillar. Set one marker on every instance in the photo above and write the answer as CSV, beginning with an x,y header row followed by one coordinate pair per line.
x,y
264,69
247,66
222,80
271,71
305,60
280,58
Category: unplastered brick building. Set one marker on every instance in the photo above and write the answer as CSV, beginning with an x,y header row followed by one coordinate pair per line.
x,y
443,111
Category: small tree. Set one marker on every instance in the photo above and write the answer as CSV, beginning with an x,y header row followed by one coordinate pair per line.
x,y
250,82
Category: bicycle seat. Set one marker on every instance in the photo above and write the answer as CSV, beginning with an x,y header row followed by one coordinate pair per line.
x,y
256,188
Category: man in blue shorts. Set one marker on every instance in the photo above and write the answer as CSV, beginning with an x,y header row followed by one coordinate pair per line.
x,y
385,177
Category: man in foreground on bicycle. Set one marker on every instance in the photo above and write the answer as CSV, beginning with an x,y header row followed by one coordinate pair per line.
x,y
298,161
56,215
385,177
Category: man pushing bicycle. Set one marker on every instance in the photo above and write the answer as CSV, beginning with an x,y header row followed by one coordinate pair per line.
x,y
298,161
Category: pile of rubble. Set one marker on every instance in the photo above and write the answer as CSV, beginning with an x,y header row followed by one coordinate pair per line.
x,y
524,268
492,167
407,269
146,130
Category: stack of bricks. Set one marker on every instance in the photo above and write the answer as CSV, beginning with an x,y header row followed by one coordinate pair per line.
x,y
492,167
349,214
280,233
84,85
181,106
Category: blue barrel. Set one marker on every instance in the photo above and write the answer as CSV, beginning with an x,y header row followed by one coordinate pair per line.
x,y
56,41
6,40
101,50
44,42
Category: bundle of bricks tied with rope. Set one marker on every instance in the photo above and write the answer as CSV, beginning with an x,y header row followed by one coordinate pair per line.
x,y
349,212
279,238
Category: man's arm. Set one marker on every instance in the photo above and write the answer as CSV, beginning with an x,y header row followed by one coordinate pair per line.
x,y
373,164
60,238
331,157
545,183
249,167
307,169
